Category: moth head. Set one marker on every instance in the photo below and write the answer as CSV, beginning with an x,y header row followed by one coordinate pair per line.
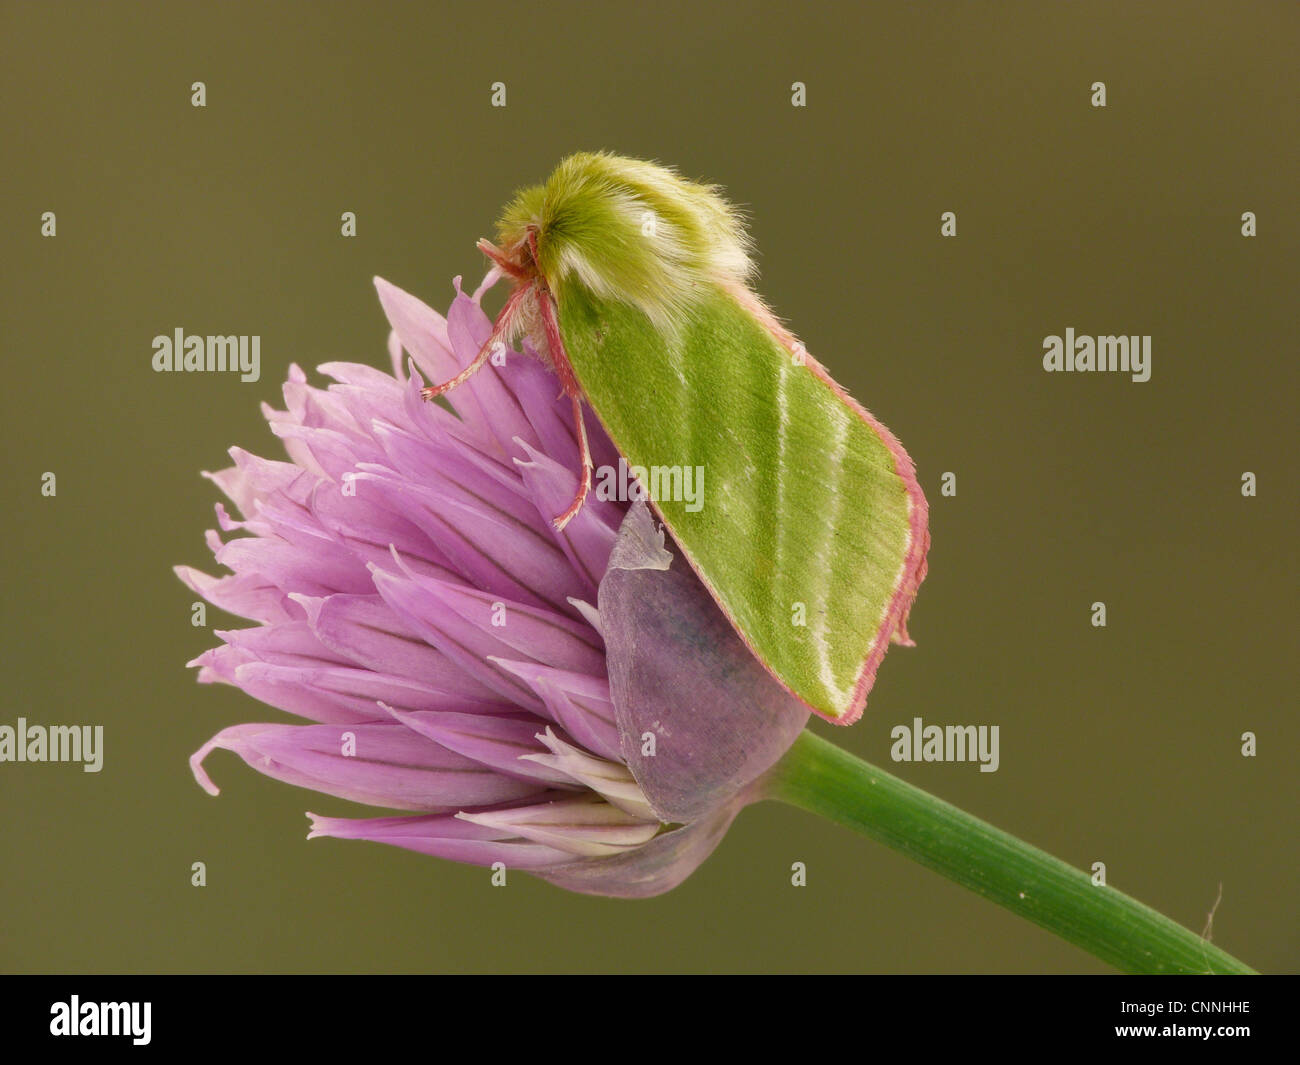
x,y
626,230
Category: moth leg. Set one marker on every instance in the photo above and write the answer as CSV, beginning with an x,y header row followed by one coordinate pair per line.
x,y
584,483
569,383
502,326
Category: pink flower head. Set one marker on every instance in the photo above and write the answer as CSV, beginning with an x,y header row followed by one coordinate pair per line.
x,y
568,703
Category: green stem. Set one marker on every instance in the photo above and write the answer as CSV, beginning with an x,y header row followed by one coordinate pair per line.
x,y
821,778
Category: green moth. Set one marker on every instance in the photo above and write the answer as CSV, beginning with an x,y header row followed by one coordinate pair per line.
x,y
633,285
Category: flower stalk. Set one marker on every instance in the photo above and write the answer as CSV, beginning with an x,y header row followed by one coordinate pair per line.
x,y
816,776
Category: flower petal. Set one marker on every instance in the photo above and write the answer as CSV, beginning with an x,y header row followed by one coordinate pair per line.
x,y
583,825
588,539
577,702
489,548
613,780
330,569
442,348
253,478
392,766
246,595
364,630
370,531
651,869
442,836
503,743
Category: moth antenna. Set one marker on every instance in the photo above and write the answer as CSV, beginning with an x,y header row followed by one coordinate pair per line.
x,y
506,264
502,326
584,484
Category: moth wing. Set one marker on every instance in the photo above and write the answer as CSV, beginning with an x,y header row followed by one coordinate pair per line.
x,y
799,512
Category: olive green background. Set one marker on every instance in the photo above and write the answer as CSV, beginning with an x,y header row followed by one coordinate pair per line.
x,y
1119,745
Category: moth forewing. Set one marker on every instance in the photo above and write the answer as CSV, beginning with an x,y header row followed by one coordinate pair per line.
x,y
811,532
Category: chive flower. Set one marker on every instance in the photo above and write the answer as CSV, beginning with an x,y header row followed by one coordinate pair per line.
x,y
522,695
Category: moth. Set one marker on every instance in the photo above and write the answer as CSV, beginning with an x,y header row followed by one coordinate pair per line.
x,y
633,284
